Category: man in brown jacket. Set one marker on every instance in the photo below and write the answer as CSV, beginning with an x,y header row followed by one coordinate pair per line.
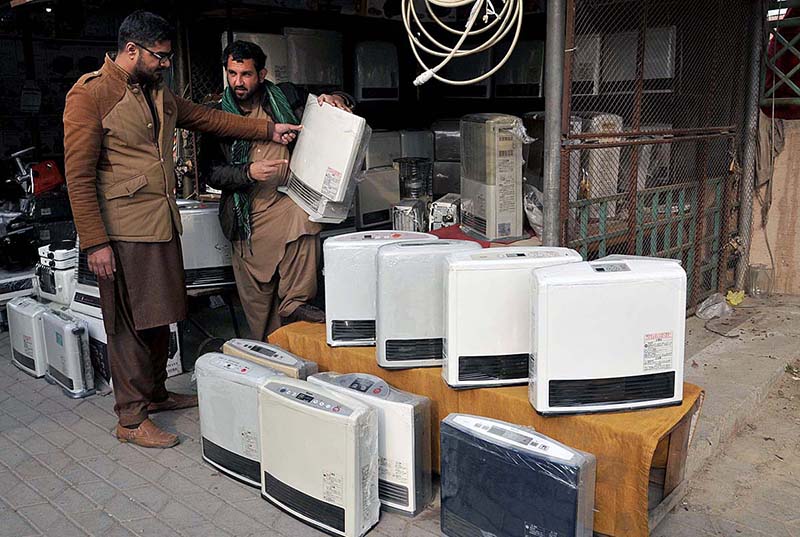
x,y
118,130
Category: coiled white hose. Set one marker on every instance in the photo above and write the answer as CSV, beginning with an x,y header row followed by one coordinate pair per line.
x,y
510,16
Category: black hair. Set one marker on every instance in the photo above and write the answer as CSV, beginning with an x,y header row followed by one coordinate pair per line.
x,y
144,28
244,50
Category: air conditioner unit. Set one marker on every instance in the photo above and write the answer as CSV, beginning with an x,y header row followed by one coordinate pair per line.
x,y
410,215
491,175
377,194
270,356
377,72
628,351
315,57
350,283
322,467
601,167
505,480
417,143
487,313
86,298
98,347
227,393
327,161
444,212
521,76
409,305
404,439
66,341
26,335
447,140
276,49
383,148
206,250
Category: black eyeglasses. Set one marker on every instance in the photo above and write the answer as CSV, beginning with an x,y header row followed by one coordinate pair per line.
x,y
161,56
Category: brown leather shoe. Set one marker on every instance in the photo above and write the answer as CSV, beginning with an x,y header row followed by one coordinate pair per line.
x,y
307,313
174,401
148,435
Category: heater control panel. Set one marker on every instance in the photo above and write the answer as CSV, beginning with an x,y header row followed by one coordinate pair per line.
x,y
515,436
270,354
611,267
311,399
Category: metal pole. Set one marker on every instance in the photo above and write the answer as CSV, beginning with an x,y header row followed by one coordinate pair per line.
x,y
553,89
749,153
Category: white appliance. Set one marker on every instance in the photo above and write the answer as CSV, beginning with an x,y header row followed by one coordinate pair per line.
x,y
601,167
206,250
274,46
59,253
98,347
487,313
327,162
521,76
322,467
491,175
270,356
26,335
56,284
404,438
377,72
377,194
410,301
444,212
315,57
383,148
607,335
227,393
410,215
417,143
66,341
350,283
86,298
506,480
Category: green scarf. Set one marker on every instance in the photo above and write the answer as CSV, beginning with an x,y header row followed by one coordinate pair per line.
x,y
240,152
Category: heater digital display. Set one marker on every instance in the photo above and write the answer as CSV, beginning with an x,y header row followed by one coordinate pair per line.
x,y
305,397
361,384
510,435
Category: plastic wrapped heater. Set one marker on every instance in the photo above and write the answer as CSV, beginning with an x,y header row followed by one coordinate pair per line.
x,y
270,356
404,439
505,480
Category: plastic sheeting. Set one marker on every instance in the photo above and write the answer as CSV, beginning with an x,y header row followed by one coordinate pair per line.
x,y
505,480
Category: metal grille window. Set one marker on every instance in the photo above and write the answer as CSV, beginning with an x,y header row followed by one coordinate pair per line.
x,y
653,111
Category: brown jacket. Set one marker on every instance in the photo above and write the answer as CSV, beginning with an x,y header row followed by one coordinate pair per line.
x,y
120,175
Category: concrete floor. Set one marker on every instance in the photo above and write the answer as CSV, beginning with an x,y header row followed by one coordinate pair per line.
x,y
62,473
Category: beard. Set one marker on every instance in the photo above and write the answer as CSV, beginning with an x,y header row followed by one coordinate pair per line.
x,y
147,76
246,96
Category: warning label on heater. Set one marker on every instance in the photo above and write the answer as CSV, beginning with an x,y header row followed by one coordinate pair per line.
x,y
249,443
332,488
330,186
393,470
657,353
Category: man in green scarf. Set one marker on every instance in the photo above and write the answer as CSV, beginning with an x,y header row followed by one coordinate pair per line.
x,y
276,247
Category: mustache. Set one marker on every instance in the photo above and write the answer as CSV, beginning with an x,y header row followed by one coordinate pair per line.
x,y
240,88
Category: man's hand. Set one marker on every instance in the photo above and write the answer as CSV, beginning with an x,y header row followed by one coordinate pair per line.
x,y
102,263
285,133
263,170
334,100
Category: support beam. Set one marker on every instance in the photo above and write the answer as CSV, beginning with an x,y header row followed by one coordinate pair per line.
x,y
553,90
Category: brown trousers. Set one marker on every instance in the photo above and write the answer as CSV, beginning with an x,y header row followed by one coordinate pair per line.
x,y
147,294
294,282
